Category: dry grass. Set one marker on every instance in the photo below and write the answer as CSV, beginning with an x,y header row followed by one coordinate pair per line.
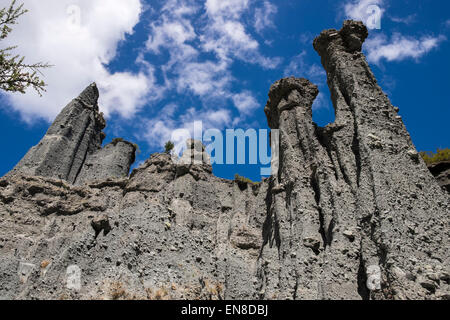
x,y
159,294
203,291
213,290
118,291
45,264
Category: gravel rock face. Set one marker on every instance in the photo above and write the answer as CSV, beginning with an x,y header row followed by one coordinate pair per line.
x,y
441,171
71,149
353,212
112,161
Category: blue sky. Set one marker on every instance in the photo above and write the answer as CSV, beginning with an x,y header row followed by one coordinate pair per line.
x,y
163,65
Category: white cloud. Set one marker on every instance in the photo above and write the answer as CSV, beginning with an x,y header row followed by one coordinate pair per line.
x,y
123,92
158,131
204,78
219,117
399,47
245,102
227,37
298,67
199,41
229,9
365,11
264,16
357,9
406,20
78,37
321,102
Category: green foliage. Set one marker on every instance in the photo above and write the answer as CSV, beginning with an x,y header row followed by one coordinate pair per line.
x,y
15,74
242,179
440,155
168,147
115,141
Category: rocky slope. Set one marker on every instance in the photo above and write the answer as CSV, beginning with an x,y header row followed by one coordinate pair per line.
x,y
353,212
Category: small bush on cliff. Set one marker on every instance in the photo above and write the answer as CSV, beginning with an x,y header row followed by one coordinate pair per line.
x,y
115,141
169,146
440,155
242,179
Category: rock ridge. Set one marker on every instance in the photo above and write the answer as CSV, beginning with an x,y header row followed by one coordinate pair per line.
x,y
71,149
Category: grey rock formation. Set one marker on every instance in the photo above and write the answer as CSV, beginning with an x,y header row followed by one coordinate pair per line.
x,y
71,148
76,131
392,203
353,212
169,235
441,171
112,161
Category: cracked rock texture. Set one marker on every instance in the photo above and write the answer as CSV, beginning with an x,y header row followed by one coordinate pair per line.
x,y
353,212
441,171
71,148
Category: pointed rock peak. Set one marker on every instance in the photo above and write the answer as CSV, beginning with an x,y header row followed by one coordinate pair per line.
x,y
351,37
90,95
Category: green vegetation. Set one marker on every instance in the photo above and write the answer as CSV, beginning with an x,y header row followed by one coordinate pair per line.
x,y
440,155
115,141
15,74
169,146
241,179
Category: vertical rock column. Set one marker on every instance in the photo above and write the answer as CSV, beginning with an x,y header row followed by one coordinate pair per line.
x,y
112,161
309,250
76,131
401,211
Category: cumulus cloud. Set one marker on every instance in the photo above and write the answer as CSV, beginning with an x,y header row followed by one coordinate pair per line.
x,y
367,11
78,37
358,9
400,47
190,51
406,20
199,42
230,9
157,131
245,102
204,78
227,36
299,67
379,47
264,16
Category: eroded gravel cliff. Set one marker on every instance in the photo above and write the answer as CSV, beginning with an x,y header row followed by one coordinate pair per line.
x,y
353,212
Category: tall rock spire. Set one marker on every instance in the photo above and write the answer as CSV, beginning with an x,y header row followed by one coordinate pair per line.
x,y
75,135
353,207
393,191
